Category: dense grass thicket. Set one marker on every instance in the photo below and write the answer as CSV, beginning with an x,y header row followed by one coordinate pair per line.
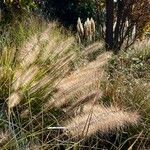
x,y
127,85
58,94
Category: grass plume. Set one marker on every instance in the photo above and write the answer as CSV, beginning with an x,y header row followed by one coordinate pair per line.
x,y
102,119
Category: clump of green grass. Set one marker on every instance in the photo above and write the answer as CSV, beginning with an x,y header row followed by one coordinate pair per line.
x,y
34,58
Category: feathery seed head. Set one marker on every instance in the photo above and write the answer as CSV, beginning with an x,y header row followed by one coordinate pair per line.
x,y
89,26
13,100
24,77
79,20
86,29
100,119
4,136
30,57
92,25
80,28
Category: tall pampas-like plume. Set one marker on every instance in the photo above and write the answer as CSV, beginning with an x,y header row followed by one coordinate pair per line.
x,y
92,25
87,28
92,28
86,31
80,27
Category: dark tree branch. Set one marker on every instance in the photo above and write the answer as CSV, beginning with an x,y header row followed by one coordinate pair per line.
x,y
109,24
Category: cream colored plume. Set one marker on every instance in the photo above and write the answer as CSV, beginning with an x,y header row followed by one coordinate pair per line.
x,y
81,83
87,31
80,27
13,100
4,137
92,25
87,28
24,77
98,118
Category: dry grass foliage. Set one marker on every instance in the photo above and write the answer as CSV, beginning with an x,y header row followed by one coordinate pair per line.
x,y
36,81
41,63
80,84
127,86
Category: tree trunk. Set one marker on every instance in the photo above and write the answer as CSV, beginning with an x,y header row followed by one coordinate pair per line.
x,y
119,24
109,24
